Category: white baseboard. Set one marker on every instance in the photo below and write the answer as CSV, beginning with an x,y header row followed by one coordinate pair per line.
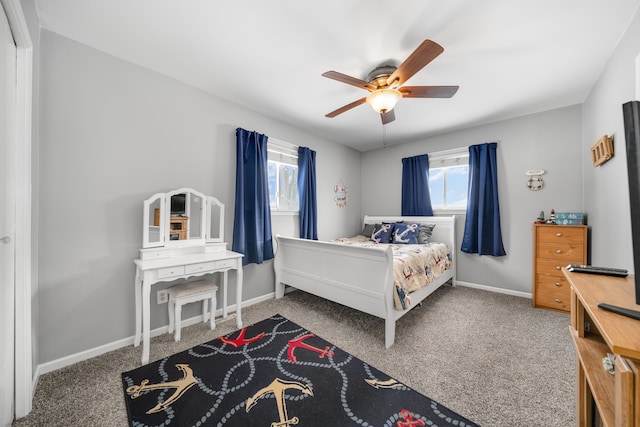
x,y
494,289
54,365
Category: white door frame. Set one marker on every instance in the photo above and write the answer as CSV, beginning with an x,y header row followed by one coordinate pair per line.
x,y
8,55
24,89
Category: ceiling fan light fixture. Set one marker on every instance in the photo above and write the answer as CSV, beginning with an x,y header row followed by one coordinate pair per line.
x,y
383,100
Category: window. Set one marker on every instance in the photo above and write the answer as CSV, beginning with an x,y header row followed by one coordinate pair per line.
x,y
282,168
449,179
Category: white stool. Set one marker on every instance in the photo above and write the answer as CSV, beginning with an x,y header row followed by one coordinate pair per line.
x,y
191,292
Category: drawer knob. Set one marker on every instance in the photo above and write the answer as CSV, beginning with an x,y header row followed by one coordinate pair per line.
x,y
558,267
558,301
557,284
558,234
558,251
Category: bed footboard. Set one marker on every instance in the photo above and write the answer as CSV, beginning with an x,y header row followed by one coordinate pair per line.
x,y
360,278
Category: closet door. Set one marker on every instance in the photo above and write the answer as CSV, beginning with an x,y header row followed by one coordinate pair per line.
x,y
7,218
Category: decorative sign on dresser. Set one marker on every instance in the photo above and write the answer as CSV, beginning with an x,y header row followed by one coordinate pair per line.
x,y
554,247
183,237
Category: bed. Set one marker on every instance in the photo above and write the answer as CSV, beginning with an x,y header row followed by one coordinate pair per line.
x,y
359,277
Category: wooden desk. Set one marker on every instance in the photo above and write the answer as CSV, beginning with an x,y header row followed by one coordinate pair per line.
x,y
152,271
597,332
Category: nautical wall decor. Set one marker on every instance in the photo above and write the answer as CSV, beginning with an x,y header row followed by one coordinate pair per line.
x,y
535,181
341,194
602,150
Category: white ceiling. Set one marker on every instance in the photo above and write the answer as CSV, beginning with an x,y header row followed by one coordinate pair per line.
x,y
510,58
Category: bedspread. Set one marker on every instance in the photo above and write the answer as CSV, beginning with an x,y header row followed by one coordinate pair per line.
x,y
414,266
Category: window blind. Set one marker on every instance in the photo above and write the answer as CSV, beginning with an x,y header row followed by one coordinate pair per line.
x,y
283,152
448,158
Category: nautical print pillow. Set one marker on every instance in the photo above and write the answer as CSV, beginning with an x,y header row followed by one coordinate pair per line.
x,y
406,233
383,233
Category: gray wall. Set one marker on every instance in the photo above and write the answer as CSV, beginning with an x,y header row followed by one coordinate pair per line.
x,y
606,195
112,134
540,141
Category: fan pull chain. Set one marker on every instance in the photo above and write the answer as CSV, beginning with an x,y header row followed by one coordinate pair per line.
x,y
384,136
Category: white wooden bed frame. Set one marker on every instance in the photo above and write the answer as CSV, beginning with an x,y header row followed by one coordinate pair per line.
x,y
360,278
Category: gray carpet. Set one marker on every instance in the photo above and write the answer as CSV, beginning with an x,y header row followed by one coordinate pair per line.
x,y
490,357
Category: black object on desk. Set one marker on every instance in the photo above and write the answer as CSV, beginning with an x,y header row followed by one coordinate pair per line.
x,y
592,269
634,314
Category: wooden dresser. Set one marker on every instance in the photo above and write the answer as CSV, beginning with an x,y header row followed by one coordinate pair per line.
x,y
604,399
554,247
178,227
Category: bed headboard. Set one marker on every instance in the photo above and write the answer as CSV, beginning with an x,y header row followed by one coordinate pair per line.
x,y
444,231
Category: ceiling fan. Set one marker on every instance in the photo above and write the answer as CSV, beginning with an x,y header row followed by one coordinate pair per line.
x,y
385,83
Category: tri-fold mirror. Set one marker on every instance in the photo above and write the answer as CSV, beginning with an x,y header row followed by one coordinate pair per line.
x,y
182,217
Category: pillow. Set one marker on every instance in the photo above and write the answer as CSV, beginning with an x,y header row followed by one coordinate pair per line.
x,y
368,230
383,233
424,235
406,233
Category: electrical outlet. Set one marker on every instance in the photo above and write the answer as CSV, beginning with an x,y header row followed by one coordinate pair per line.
x,y
163,297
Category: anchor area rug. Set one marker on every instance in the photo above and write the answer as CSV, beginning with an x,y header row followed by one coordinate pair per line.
x,y
274,373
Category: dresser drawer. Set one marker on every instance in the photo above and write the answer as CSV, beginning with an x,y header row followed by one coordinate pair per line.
x,y
558,298
226,263
556,284
560,234
560,251
550,266
170,272
200,267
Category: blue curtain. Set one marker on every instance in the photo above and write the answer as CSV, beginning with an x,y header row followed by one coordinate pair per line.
x,y
482,234
252,217
416,199
307,193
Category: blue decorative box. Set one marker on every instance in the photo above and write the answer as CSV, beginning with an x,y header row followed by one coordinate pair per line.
x,y
570,218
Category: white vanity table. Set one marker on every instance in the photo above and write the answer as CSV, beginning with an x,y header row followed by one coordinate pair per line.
x,y
183,236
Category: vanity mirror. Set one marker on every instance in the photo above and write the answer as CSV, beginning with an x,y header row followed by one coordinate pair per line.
x,y
183,238
183,218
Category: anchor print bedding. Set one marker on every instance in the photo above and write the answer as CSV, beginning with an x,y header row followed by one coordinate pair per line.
x,y
414,265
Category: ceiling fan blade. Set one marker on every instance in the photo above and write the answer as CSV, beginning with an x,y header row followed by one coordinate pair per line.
x,y
428,91
349,80
346,107
387,117
425,53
